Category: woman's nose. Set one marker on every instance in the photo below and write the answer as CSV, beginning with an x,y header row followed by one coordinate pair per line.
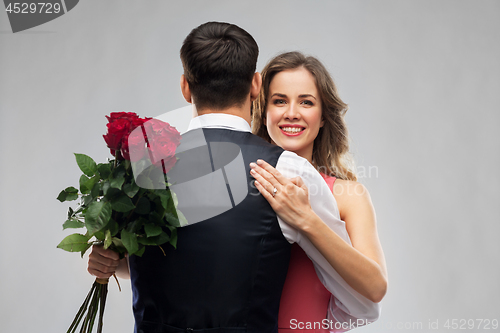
x,y
292,112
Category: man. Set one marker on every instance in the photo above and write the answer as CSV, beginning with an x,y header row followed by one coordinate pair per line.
x,y
228,270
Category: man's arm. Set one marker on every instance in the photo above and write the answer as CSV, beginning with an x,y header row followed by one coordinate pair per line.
x,y
346,304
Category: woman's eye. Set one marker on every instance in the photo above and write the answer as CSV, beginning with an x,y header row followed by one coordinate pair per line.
x,y
306,102
278,101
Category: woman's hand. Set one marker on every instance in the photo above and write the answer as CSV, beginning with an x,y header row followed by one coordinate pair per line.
x,y
291,198
361,265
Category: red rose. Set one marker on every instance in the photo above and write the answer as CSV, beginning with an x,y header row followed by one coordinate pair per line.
x,y
161,147
163,140
155,125
134,147
120,125
122,115
117,130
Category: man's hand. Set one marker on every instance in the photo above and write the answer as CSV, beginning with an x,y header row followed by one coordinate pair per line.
x,y
102,263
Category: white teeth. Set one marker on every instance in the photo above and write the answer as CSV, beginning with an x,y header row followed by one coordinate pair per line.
x,y
292,129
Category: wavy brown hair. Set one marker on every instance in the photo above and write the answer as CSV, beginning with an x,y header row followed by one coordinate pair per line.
x,y
331,146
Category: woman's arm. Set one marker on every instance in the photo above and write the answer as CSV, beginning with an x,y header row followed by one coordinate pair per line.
x,y
362,265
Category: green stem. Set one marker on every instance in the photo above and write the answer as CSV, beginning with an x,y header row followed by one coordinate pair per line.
x,y
104,293
87,327
81,312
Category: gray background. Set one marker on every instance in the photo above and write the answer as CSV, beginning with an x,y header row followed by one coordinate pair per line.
x,y
422,79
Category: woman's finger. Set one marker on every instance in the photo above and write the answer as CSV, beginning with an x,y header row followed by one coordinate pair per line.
x,y
266,166
270,178
266,185
297,181
265,193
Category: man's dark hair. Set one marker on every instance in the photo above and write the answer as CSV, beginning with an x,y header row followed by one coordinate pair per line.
x,y
219,61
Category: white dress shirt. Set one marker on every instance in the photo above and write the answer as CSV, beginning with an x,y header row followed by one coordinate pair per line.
x,y
346,304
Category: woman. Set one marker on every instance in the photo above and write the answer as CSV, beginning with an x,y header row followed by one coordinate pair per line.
x,y
299,109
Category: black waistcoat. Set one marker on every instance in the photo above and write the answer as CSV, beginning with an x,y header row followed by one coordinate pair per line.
x,y
227,272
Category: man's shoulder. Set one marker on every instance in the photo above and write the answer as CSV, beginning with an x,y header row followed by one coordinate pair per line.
x,y
202,135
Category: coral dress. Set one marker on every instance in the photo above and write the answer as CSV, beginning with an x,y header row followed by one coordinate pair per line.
x,y
304,301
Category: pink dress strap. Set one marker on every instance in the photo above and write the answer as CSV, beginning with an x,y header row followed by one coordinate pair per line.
x,y
329,180
304,301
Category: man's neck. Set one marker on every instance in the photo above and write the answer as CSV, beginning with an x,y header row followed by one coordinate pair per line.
x,y
239,111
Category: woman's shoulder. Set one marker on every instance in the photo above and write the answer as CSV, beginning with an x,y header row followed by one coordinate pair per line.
x,y
349,188
350,195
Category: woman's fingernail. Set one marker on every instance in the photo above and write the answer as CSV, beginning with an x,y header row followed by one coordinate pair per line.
x,y
259,161
253,165
252,171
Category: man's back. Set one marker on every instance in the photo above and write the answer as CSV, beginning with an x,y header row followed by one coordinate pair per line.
x,y
227,272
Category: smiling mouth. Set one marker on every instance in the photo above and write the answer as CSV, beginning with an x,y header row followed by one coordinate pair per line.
x,y
292,130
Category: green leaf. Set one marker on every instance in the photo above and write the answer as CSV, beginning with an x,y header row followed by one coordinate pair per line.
x,y
87,184
73,223
140,252
152,230
182,219
174,197
99,235
86,164
98,215
162,238
156,218
172,220
117,178
136,225
95,190
131,189
113,227
176,219
107,239
129,240
113,193
68,194
105,187
165,197
146,241
173,238
118,245
62,196
75,243
104,170
83,180
117,182
143,206
126,164
87,199
122,204
70,213
117,242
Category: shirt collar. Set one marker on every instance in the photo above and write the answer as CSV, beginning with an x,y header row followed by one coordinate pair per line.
x,y
219,120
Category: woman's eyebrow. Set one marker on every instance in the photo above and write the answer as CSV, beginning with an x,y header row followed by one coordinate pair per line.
x,y
306,95
278,94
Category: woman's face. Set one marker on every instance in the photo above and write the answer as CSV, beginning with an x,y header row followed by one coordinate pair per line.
x,y
293,115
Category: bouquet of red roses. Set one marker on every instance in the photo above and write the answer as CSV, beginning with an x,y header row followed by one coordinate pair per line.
x,y
125,203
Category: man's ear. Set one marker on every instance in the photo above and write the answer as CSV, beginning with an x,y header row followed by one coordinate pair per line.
x,y
186,92
255,88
